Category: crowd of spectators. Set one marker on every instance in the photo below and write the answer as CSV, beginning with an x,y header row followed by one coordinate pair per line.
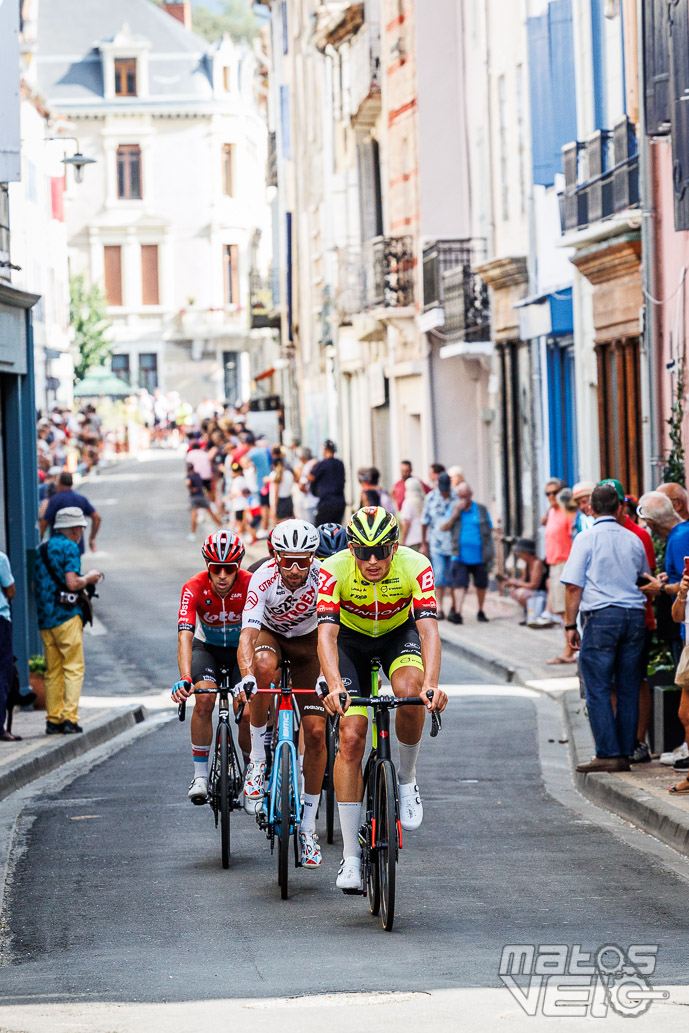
x,y
68,440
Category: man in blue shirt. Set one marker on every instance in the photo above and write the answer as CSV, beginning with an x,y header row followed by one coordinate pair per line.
x,y
600,578
57,579
65,497
7,592
472,550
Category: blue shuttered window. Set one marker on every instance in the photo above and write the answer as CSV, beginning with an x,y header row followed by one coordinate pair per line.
x,y
562,410
551,88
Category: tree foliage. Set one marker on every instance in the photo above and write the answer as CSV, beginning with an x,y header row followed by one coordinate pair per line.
x,y
89,321
674,469
236,18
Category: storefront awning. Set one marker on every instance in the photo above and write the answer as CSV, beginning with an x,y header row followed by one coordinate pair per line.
x,y
546,315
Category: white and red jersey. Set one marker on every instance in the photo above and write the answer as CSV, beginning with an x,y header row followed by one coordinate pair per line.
x,y
269,604
212,619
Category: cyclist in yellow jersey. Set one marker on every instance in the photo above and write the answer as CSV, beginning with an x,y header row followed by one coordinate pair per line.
x,y
376,599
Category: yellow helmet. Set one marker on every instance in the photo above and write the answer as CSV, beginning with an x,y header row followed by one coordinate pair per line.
x,y
372,525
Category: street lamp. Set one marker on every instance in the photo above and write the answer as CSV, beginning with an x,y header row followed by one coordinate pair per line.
x,y
78,160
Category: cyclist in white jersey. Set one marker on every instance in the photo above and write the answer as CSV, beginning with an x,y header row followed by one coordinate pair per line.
x,y
279,620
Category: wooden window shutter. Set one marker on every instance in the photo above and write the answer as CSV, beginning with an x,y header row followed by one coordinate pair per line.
x,y
234,273
113,274
149,275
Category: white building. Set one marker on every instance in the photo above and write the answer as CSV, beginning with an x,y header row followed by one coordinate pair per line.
x,y
172,218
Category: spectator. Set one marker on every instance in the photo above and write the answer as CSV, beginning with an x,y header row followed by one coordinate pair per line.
x,y
678,497
309,502
59,619
202,465
7,593
66,498
237,499
49,485
679,615
472,550
641,751
327,480
398,488
529,591
259,454
558,542
434,472
410,514
436,543
600,580
456,476
281,481
581,493
198,499
369,479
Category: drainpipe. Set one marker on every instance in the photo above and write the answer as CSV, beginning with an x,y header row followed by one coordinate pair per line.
x,y
650,383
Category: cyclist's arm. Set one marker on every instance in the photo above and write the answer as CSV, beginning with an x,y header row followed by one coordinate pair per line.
x,y
184,643
330,666
245,651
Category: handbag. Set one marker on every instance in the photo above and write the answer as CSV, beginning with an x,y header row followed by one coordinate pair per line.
x,y
82,598
682,672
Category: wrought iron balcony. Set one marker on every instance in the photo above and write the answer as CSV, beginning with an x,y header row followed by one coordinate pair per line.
x,y
261,306
450,283
438,258
601,177
388,272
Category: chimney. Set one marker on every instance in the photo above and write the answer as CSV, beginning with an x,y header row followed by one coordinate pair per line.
x,y
181,10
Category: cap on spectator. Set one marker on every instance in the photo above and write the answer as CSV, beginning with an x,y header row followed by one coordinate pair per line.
x,y
582,488
616,485
70,516
444,482
527,545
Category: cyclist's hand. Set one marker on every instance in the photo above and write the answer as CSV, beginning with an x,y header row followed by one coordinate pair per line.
x,y
332,702
439,701
182,690
239,692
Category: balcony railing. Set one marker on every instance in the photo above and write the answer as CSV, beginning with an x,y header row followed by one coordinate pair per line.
x,y
438,258
388,272
261,306
465,300
601,177
349,298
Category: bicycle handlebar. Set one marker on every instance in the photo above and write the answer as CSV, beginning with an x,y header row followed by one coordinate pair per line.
x,y
392,702
182,707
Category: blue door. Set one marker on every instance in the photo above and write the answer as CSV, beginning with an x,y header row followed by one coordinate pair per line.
x,y
562,409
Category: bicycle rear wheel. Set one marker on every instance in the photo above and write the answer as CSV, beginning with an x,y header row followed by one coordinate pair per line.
x,y
331,742
224,747
283,809
386,842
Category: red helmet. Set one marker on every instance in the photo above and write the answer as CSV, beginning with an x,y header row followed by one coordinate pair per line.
x,y
223,547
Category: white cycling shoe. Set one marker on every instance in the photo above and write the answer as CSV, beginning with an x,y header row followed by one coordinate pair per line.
x,y
411,808
349,874
254,787
198,790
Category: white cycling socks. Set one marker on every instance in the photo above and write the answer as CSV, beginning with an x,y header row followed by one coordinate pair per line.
x,y
406,772
349,824
308,820
200,754
258,750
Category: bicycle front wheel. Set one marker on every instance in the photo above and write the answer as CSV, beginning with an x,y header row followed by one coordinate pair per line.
x,y
283,809
370,855
224,747
386,842
331,743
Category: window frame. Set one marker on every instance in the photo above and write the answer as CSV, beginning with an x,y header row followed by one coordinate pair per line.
x,y
123,156
116,301
230,253
228,170
122,67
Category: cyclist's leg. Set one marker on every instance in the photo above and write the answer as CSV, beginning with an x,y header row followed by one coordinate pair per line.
x,y
402,662
266,663
204,676
244,730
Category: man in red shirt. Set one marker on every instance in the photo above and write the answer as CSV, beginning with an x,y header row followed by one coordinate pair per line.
x,y
405,474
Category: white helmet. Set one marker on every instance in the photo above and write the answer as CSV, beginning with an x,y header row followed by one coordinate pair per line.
x,y
294,536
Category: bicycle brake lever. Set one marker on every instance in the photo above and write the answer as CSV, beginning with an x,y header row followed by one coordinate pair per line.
x,y
181,710
240,713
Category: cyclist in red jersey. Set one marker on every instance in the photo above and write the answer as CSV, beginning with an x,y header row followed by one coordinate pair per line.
x,y
208,629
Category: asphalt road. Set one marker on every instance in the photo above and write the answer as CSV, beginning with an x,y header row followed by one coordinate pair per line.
x,y
118,894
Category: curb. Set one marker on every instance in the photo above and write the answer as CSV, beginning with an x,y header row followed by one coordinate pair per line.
x,y
647,812
73,746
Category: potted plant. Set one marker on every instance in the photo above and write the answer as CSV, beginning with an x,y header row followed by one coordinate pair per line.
x,y
37,668
666,729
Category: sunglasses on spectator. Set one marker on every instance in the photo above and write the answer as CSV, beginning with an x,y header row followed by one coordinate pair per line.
x,y
286,559
372,552
224,568
549,493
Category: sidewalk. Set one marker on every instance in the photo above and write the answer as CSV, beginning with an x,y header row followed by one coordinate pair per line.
x,y
520,655
37,753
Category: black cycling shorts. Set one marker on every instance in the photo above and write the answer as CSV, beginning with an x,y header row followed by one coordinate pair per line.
x,y
400,647
206,661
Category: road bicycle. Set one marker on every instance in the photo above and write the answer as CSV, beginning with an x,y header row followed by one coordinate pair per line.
x,y
380,834
280,814
332,744
226,774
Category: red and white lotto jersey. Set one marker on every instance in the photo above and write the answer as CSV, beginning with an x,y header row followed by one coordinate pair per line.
x,y
269,604
212,619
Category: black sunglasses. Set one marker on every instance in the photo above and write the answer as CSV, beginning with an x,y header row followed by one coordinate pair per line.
x,y
369,552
